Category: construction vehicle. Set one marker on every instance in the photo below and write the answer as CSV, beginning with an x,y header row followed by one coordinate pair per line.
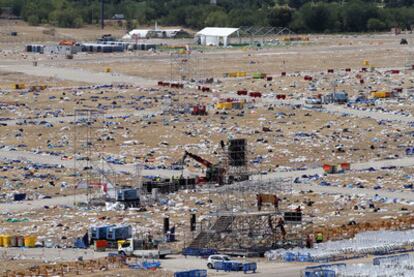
x,y
142,248
214,172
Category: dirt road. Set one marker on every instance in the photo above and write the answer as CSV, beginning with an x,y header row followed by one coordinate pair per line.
x,y
71,118
78,75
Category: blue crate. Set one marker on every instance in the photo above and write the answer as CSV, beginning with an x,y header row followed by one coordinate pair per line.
x,y
182,274
135,266
326,266
150,265
191,273
249,267
235,266
320,273
228,266
198,273
220,266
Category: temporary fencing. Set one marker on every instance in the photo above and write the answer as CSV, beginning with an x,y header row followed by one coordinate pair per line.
x,y
379,243
389,266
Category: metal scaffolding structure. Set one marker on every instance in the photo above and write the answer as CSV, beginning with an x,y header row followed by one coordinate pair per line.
x,y
263,34
180,68
237,226
84,149
187,66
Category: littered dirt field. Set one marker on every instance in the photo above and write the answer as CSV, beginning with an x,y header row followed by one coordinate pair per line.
x,y
279,136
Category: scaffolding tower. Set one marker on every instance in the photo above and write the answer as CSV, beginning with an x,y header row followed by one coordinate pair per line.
x,y
180,70
187,66
237,160
84,149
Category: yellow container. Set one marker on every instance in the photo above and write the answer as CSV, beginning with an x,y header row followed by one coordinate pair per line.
x,y
220,106
227,105
366,63
108,70
6,240
232,74
381,94
1,241
30,241
241,74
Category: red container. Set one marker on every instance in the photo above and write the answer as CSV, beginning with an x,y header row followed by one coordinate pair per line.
x,y
347,70
395,71
361,81
281,96
99,244
269,78
255,94
284,73
345,166
327,168
330,71
242,92
201,180
364,69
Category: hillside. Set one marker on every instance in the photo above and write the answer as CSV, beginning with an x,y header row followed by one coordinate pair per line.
x,y
299,15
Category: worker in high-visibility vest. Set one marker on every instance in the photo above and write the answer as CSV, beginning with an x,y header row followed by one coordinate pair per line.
x,y
319,238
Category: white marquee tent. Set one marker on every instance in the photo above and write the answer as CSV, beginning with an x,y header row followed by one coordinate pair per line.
x,y
216,36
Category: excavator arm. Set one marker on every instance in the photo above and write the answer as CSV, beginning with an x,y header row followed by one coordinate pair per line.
x,y
198,159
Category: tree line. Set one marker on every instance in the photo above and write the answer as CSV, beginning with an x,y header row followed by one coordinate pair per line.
x,y
323,16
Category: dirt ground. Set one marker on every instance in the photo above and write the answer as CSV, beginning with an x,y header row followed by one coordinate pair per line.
x,y
153,126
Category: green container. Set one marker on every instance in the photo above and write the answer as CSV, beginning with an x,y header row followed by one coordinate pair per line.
x,y
258,75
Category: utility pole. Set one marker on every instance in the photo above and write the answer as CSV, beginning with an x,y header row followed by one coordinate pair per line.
x,y
102,15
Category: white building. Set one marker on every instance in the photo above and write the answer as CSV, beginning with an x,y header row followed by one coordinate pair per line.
x,y
216,36
153,33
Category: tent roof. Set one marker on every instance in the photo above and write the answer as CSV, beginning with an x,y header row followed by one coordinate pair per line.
x,y
218,32
144,32
140,32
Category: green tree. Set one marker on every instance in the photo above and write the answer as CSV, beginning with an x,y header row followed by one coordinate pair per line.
x,y
356,15
216,19
316,17
296,4
280,16
375,24
33,20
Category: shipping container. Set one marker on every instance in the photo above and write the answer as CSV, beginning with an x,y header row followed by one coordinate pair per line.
x,y
116,233
127,195
99,232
